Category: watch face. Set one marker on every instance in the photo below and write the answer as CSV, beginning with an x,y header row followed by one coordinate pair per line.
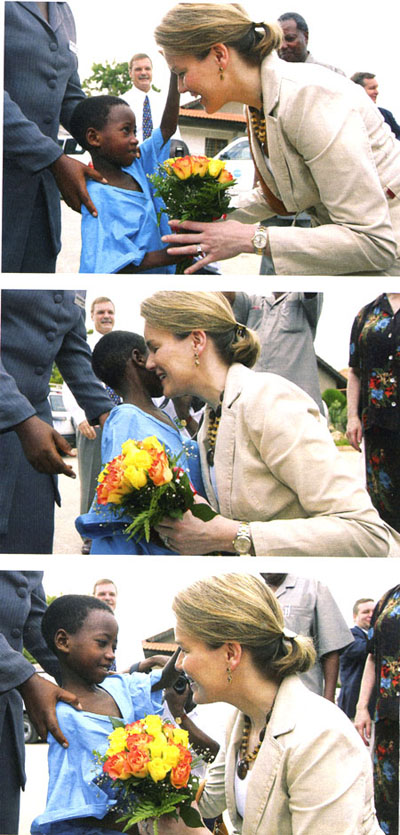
x,y
242,544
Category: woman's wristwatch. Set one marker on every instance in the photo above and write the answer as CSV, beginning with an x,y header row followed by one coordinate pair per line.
x,y
260,239
243,542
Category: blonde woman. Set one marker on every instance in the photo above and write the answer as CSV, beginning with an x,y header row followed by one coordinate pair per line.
x,y
318,142
292,764
269,465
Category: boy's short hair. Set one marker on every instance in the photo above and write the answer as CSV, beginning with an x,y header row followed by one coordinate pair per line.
x,y
92,112
69,612
112,352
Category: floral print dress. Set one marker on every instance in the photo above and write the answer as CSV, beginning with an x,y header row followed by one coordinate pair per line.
x,y
375,354
384,645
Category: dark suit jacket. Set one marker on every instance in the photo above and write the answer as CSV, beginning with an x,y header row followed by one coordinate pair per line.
x,y
39,327
389,118
352,661
22,604
42,88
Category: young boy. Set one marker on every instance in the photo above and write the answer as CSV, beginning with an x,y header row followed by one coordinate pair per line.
x,y
125,237
82,631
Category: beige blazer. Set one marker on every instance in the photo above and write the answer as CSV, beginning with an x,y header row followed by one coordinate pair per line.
x,y
312,775
332,154
277,467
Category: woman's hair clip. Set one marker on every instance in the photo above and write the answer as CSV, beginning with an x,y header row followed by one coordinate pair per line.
x,y
262,26
287,633
240,331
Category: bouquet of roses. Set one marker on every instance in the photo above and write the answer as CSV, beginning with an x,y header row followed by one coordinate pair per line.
x,y
147,484
193,188
150,766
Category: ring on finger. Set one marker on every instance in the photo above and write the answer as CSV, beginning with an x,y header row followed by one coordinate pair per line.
x,y
199,250
166,541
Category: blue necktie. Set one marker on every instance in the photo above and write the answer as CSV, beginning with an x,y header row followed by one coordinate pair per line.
x,y
147,120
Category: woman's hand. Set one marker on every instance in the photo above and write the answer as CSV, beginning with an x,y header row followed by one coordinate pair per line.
x,y
218,241
193,536
363,724
354,432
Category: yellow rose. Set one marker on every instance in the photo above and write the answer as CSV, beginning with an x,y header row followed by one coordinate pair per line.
x,y
117,741
153,725
157,747
215,167
171,755
151,442
181,737
139,458
136,478
158,769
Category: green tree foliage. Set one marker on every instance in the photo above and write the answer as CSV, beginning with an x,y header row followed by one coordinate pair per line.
x,y
334,395
56,377
26,654
110,79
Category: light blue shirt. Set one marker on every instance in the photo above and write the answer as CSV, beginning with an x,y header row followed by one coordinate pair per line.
x,y
71,791
126,227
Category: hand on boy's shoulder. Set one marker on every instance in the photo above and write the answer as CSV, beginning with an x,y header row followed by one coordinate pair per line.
x,y
70,176
41,697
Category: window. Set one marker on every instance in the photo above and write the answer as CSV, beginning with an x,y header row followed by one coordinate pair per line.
x,y
213,145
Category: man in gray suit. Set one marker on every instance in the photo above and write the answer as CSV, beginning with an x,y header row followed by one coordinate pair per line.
x,y
39,327
22,604
42,89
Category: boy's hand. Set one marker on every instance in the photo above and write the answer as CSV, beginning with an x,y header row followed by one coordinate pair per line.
x,y
70,176
169,674
40,697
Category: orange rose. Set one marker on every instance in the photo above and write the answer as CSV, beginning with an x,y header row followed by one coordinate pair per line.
x,y
160,472
118,767
138,761
112,484
182,167
140,740
180,775
225,176
199,165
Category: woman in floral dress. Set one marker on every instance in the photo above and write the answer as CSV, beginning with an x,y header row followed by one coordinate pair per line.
x,y
373,401
382,671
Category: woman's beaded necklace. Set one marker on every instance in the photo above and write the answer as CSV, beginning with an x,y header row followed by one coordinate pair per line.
x,y
212,430
246,758
258,123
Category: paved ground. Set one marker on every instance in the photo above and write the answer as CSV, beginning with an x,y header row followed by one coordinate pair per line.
x,y
68,260
33,799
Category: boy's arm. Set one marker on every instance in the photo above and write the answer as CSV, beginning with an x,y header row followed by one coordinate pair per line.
x,y
169,121
153,260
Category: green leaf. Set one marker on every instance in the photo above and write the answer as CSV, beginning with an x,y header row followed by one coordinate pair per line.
x,y
190,816
116,723
203,511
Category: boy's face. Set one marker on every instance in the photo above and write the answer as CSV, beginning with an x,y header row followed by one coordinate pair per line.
x,y
91,650
117,140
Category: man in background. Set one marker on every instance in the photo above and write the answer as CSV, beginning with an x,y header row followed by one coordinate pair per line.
x,y
106,590
294,47
309,609
369,81
144,98
352,660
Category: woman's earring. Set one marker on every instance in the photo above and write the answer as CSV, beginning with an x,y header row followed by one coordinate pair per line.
x,y
229,676
196,358
221,73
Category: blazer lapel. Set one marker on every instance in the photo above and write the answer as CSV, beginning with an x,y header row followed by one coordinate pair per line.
x,y
270,754
226,438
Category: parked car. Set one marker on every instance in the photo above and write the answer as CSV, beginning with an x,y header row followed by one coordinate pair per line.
x,y
237,156
30,732
71,147
62,419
